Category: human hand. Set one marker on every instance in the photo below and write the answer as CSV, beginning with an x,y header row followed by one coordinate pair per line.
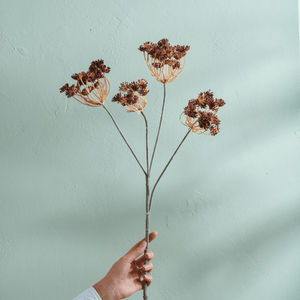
x,y
124,278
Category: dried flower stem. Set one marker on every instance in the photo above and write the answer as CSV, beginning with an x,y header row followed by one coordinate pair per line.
x,y
161,117
147,225
147,156
165,63
167,166
124,139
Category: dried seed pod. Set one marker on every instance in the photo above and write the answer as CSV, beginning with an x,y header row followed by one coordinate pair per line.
x,y
201,114
132,95
164,61
92,87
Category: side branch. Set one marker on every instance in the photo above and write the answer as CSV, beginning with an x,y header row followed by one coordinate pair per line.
x,y
147,146
161,117
124,139
167,167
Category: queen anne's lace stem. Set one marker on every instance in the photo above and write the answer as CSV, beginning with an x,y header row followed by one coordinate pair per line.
x,y
159,126
165,63
125,139
162,173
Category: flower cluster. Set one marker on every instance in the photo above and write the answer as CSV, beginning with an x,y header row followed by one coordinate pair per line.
x,y
201,114
92,87
132,95
164,61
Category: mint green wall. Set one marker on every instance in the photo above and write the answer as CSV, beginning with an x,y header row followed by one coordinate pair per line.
x,y
72,197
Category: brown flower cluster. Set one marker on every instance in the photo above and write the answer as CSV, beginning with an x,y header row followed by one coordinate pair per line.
x,y
201,114
92,87
132,95
164,61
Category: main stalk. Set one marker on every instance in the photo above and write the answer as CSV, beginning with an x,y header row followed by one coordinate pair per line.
x,y
147,225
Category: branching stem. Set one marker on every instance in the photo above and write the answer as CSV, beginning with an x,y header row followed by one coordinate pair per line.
x,y
125,139
147,225
147,147
158,132
147,174
167,167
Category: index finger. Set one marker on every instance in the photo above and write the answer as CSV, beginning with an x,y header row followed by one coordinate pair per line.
x,y
152,236
135,251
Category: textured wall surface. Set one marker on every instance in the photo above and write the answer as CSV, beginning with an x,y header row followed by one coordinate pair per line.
x,y
71,195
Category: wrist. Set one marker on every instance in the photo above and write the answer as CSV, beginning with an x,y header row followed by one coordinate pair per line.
x,y
105,290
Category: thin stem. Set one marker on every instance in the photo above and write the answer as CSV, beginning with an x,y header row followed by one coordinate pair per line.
x,y
147,225
124,139
161,117
147,155
167,166
145,294
147,231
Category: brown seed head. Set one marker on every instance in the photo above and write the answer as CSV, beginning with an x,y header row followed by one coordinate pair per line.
x,y
201,114
132,95
164,61
92,87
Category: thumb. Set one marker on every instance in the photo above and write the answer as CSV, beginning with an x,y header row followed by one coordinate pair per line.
x,y
136,251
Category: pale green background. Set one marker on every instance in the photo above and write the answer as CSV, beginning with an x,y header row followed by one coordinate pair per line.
x,y
72,197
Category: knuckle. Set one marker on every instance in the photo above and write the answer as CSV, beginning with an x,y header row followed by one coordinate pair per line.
x,y
149,278
148,267
150,254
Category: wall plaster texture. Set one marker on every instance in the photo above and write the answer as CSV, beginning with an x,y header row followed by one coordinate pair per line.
x,y
71,195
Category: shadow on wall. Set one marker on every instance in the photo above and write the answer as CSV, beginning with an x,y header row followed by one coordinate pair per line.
x,y
88,226
241,258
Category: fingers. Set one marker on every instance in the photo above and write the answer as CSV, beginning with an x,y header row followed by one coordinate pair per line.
x,y
140,261
139,247
147,267
149,255
135,252
147,278
152,236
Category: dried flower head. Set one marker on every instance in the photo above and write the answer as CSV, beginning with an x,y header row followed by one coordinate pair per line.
x,y
164,61
201,114
132,95
92,87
